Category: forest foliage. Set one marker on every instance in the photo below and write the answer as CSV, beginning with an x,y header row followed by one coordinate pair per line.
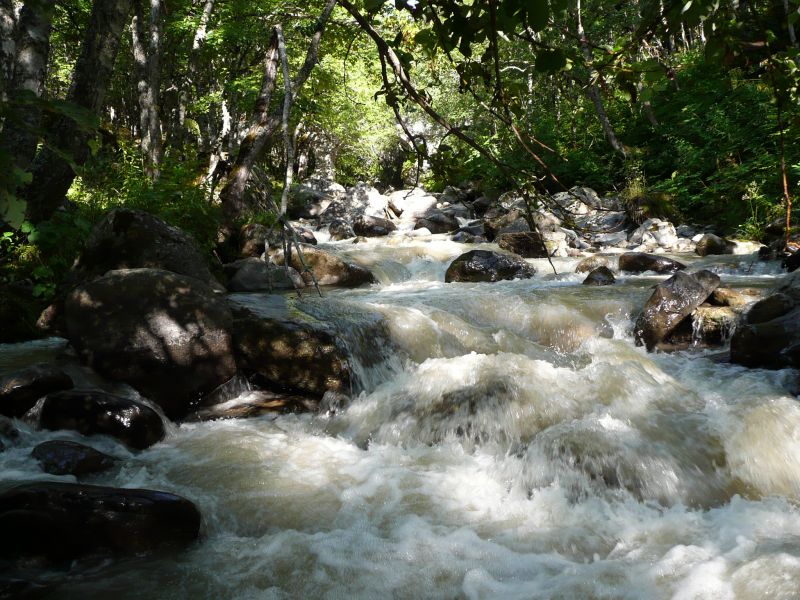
x,y
689,108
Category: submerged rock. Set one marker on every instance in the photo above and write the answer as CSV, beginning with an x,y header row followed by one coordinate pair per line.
x,y
92,412
328,268
713,244
600,276
527,244
639,262
20,390
166,335
62,457
671,302
485,265
54,522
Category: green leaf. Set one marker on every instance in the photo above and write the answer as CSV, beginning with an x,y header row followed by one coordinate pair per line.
x,y
373,5
538,12
550,61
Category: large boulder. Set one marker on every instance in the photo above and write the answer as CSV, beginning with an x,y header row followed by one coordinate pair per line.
x,y
54,522
672,301
296,356
340,230
655,232
20,390
600,276
792,262
359,200
132,239
165,334
485,265
438,221
639,262
255,275
369,226
511,222
63,457
92,412
713,244
328,268
528,244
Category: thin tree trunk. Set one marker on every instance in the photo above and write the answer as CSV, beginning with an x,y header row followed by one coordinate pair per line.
x,y
21,135
147,60
594,90
287,109
264,124
792,34
8,47
53,174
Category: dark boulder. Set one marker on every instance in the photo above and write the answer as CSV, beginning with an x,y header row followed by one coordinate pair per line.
x,y
92,412
528,244
671,302
639,262
62,457
165,334
20,390
481,204
255,275
54,522
792,262
771,307
485,265
773,344
464,237
328,268
438,222
713,244
511,222
341,230
600,276
372,226
296,356
134,239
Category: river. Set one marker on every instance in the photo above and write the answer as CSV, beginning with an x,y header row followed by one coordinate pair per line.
x,y
506,440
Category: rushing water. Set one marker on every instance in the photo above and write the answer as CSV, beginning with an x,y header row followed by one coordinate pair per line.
x,y
508,440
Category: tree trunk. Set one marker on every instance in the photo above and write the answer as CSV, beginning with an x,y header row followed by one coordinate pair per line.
x,y
594,90
147,61
21,135
52,173
8,49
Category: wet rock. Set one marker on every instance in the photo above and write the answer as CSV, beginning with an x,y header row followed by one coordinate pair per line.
x,y
481,204
133,239
305,236
256,275
340,230
485,265
600,276
372,226
590,263
671,302
639,262
92,412
62,457
713,325
728,297
54,522
510,222
20,390
7,429
328,268
164,334
301,357
438,222
527,244
773,344
258,403
463,237
713,244
771,307
792,263
655,232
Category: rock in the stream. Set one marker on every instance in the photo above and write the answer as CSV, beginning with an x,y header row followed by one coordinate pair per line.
x,y
133,239
600,276
590,263
438,221
166,335
728,297
255,275
528,244
328,268
340,230
372,226
485,265
792,262
712,325
93,412
63,457
8,432
290,355
713,244
639,262
20,390
54,522
655,232
672,301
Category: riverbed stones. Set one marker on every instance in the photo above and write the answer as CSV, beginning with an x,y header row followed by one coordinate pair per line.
x,y
710,244
64,457
639,262
93,412
20,390
672,301
301,357
488,266
167,335
370,226
527,244
328,268
55,522
131,239
600,276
